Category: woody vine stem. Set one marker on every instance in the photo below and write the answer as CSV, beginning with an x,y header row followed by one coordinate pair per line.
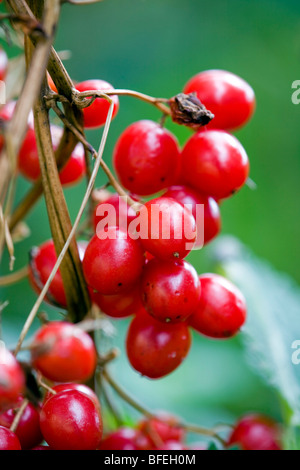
x,y
37,20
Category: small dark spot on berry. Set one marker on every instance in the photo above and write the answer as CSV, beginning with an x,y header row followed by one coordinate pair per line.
x,y
120,284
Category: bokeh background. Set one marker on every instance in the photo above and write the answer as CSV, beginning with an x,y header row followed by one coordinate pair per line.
x,y
155,47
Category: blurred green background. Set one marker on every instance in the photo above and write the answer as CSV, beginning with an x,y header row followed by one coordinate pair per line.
x,y
155,47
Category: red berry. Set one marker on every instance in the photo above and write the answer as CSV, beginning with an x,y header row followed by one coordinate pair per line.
x,y
155,349
113,210
170,290
208,227
113,261
71,421
28,429
215,163
42,261
95,115
8,440
12,379
230,98
119,305
160,430
122,439
3,64
74,386
168,229
255,432
63,352
28,160
146,158
222,309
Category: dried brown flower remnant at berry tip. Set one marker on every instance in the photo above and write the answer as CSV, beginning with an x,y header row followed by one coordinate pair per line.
x,y
189,111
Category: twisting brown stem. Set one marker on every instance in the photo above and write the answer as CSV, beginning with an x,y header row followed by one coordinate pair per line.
x,y
132,402
80,98
86,197
18,415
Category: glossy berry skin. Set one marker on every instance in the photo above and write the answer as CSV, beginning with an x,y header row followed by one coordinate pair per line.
x,y
95,115
146,158
230,98
63,352
122,439
171,229
222,309
209,227
121,213
215,163
8,440
113,263
71,421
28,159
12,379
3,64
63,387
156,349
170,290
159,431
255,432
28,430
119,305
42,261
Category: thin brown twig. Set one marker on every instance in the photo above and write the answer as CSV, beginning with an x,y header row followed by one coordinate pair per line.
x,y
18,415
144,411
88,192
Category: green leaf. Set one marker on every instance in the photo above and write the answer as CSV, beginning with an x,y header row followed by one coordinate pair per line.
x,y
273,324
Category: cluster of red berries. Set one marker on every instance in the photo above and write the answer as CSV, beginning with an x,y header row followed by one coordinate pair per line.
x,y
68,415
146,275
130,275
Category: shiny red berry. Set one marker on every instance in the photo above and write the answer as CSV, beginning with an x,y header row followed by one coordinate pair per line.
x,y
230,98
63,387
112,210
28,159
168,229
63,352
113,261
71,421
146,158
222,309
3,64
8,440
215,163
208,226
12,379
28,429
170,290
255,432
156,349
119,305
42,261
95,115
122,439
